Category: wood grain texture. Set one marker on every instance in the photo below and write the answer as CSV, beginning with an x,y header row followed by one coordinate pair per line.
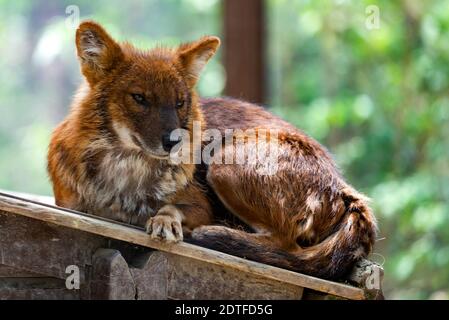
x,y
110,229
368,275
111,278
8,272
35,289
44,248
170,276
32,197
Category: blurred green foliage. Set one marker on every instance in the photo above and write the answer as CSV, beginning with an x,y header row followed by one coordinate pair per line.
x,y
377,98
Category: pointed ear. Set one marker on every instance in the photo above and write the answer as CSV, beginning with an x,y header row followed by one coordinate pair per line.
x,y
97,51
194,56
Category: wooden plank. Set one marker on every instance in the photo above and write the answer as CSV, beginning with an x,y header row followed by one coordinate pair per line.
x,y
170,276
244,49
36,289
9,272
32,197
111,278
369,275
111,229
44,248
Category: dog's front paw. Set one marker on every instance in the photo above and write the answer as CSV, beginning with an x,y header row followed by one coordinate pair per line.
x,y
165,226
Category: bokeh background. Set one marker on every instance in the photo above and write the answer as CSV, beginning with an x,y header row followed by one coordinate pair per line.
x,y
378,98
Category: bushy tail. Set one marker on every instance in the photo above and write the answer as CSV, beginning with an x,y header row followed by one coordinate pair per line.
x,y
332,258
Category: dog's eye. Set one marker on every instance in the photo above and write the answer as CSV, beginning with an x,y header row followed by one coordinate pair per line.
x,y
140,99
180,104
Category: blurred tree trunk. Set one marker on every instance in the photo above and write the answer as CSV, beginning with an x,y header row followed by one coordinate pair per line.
x,y
244,49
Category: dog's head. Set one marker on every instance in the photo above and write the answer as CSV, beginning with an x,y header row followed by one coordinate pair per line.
x,y
149,93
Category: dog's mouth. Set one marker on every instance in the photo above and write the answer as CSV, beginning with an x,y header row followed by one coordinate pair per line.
x,y
148,151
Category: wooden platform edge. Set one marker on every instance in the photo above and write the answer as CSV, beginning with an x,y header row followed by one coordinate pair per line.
x,y
80,221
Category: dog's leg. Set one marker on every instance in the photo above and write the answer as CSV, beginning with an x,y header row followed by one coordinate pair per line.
x,y
187,209
254,200
166,224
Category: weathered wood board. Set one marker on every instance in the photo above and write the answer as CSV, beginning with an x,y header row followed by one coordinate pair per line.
x,y
117,261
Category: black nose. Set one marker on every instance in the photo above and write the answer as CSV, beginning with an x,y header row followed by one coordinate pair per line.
x,y
168,144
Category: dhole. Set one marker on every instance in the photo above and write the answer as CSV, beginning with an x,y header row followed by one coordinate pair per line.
x,y
110,157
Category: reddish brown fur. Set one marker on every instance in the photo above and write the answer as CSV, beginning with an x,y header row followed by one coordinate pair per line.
x,y
304,218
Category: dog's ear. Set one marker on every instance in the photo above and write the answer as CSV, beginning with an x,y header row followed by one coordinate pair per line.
x,y
97,51
194,56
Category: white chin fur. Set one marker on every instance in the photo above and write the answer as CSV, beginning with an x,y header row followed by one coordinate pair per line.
x,y
125,137
124,134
